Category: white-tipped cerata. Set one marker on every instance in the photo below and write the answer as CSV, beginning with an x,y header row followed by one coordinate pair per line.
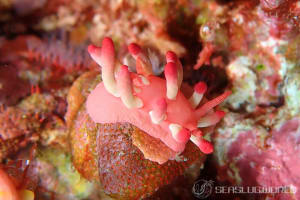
x,y
172,57
179,133
211,104
105,57
211,119
126,89
199,90
204,145
172,80
143,64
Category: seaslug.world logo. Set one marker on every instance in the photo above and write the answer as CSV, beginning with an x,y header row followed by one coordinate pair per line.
x,y
203,188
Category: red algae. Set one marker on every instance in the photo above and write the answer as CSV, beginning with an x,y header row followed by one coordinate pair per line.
x,y
12,87
56,52
7,187
280,158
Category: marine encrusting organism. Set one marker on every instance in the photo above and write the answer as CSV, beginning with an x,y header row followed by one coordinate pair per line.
x,y
13,188
153,104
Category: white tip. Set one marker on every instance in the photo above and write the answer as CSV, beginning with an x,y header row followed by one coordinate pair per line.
x,y
211,119
179,133
144,80
199,90
156,120
171,80
158,114
195,99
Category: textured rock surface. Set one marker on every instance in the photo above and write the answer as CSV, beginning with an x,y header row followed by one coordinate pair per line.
x,y
250,155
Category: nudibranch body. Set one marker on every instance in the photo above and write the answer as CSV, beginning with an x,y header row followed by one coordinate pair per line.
x,y
153,104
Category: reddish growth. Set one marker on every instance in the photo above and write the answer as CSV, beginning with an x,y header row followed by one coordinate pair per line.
x,y
9,190
152,104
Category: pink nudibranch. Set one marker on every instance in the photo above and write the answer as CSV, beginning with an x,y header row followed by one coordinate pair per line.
x,y
154,105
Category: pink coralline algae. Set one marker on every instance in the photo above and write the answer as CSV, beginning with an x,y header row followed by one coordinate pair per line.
x,y
275,166
153,104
